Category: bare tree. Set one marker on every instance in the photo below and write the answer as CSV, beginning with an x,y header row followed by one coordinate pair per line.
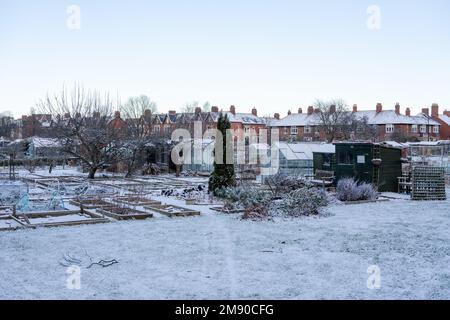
x,y
81,122
335,118
190,107
139,134
140,104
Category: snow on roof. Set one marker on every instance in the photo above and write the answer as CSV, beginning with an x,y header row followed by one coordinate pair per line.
x,y
245,118
383,117
304,151
44,142
297,119
445,118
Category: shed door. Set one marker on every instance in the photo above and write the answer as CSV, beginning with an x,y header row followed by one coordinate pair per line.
x,y
362,166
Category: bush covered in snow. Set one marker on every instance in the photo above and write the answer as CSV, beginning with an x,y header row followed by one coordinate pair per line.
x,y
303,202
244,195
350,190
281,183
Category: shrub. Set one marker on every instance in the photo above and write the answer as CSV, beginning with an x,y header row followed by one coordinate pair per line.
x,y
303,202
350,190
244,195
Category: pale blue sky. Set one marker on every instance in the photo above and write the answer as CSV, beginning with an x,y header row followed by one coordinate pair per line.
x,y
274,55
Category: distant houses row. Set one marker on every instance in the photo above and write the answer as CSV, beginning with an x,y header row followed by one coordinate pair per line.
x,y
303,126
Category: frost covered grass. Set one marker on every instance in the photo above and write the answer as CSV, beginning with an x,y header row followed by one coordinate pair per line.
x,y
217,256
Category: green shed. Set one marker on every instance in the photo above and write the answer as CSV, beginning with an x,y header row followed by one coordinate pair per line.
x,y
369,162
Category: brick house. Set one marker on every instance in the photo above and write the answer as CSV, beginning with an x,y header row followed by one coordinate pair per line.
x,y
443,119
389,124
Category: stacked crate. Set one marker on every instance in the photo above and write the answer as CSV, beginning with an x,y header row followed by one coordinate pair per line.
x,y
428,183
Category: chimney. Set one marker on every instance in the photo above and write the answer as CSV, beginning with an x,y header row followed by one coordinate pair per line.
x,y
355,108
310,110
447,113
426,111
198,110
289,113
276,116
332,108
317,110
214,109
379,107
408,112
233,110
117,114
77,115
255,112
96,114
24,117
66,115
172,112
434,110
300,110
147,113
397,108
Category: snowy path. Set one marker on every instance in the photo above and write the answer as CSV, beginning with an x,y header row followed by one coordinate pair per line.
x,y
219,256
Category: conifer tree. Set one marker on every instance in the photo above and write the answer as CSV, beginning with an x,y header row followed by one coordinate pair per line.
x,y
223,174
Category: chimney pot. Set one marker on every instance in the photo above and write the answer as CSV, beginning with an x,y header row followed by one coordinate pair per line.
x,y
397,108
408,112
379,107
435,110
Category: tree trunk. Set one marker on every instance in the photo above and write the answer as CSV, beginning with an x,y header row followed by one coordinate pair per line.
x,y
92,172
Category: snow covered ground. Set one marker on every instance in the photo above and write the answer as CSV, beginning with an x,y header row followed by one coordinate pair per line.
x,y
217,256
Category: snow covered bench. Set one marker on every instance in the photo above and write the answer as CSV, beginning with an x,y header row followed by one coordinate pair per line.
x,y
323,178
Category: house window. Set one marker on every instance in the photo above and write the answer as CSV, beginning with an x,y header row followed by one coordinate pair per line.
x,y
436,129
308,129
345,157
286,130
156,129
414,128
423,129
294,130
389,128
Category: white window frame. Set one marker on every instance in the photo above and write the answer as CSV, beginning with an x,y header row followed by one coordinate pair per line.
x,y
435,129
414,128
156,129
423,129
308,129
294,130
390,128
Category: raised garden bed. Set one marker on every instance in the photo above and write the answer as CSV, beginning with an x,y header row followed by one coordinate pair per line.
x,y
53,219
364,201
9,223
173,211
124,213
91,203
137,201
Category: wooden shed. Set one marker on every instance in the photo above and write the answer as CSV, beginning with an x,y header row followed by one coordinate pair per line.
x,y
369,162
